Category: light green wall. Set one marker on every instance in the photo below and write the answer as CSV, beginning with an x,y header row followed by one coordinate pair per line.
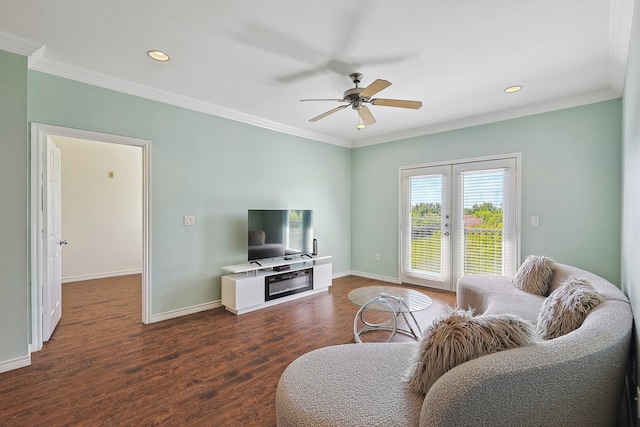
x,y
631,180
216,169
14,277
212,168
571,162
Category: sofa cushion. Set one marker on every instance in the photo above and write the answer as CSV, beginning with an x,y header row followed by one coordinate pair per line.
x,y
460,337
566,308
534,275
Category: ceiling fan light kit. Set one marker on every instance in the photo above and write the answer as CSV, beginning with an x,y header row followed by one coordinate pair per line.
x,y
356,98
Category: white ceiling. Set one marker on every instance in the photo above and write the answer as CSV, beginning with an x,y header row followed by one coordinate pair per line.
x,y
253,60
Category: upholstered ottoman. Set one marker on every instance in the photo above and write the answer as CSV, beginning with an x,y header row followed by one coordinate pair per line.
x,y
313,390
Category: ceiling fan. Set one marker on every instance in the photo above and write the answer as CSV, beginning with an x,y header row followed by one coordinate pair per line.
x,y
357,97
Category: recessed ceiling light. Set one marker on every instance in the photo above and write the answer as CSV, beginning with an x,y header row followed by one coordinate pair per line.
x,y
158,55
512,89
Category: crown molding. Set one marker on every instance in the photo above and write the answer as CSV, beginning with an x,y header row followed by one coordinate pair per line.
x,y
497,116
18,45
620,22
37,62
36,55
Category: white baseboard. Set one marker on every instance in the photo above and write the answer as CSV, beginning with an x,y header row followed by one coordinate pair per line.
x,y
339,275
184,311
100,275
377,277
20,362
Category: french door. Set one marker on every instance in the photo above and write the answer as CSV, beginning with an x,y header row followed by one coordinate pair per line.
x,y
458,219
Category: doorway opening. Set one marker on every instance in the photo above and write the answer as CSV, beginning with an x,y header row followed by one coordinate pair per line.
x,y
42,223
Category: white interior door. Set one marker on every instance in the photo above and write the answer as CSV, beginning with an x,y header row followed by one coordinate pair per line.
x,y
52,283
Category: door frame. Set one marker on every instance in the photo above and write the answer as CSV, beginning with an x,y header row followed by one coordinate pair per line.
x,y
518,178
39,134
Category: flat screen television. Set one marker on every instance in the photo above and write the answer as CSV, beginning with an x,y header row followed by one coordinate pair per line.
x,y
277,233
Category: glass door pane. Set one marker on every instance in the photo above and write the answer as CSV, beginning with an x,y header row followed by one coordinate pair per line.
x,y
482,201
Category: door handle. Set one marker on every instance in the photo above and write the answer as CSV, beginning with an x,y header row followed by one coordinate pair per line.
x,y
63,242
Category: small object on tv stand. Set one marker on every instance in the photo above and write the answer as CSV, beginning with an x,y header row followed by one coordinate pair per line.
x,y
315,247
282,268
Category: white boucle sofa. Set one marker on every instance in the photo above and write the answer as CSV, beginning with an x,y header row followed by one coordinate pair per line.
x,y
573,380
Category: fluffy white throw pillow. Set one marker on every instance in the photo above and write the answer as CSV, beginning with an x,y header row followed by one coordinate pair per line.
x,y
566,308
459,337
534,275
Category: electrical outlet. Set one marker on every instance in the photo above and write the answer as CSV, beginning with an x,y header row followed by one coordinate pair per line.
x,y
377,257
189,220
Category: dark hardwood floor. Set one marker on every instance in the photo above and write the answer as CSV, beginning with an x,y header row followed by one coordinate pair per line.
x,y
103,367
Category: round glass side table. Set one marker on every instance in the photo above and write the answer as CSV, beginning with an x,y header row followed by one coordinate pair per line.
x,y
395,300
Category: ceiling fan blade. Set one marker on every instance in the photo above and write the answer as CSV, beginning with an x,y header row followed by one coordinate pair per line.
x,y
374,88
323,99
323,115
366,116
396,103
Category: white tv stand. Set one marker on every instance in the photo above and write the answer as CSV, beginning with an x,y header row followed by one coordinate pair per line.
x,y
243,290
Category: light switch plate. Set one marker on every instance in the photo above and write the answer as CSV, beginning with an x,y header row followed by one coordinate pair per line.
x,y
535,221
189,220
